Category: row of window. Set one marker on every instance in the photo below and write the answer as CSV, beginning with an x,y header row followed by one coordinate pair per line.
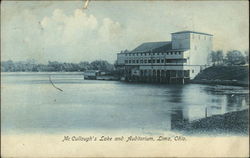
x,y
156,61
162,73
141,54
186,36
200,37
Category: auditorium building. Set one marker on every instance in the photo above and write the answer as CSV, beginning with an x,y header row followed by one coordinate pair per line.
x,y
175,61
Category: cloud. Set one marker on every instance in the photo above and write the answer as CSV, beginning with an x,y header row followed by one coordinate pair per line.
x,y
84,33
43,32
74,37
67,30
110,30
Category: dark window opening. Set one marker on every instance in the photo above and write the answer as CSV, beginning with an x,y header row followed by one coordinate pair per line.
x,y
168,60
186,73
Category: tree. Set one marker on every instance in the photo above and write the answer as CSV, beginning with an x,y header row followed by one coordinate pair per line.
x,y
247,57
55,65
235,57
220,56
84,66
101,65
31,65
217,57
7,66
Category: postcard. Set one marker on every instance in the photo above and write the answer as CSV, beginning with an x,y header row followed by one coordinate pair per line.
x,y
124,78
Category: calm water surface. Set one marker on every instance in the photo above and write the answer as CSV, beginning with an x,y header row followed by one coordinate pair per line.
x,y
31,104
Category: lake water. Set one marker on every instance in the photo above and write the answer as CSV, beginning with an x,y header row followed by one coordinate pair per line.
x,y
30,103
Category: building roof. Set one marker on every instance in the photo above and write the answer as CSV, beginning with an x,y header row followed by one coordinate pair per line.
x,y
192,32
150,46
155,47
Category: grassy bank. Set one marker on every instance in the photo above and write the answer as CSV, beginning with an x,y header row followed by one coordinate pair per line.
x,y
224,75
230,123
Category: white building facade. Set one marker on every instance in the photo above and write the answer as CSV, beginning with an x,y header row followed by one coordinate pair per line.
x,y
176,61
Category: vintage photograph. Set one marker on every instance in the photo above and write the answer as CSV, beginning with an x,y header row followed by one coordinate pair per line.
x,y
96,78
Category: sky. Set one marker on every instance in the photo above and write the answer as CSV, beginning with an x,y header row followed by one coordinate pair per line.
x,y
63,31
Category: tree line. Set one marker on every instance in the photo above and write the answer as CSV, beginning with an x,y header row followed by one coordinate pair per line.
x,y
218,57
233,57
55,66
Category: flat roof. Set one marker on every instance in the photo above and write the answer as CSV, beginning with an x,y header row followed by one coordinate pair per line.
x,y
192,32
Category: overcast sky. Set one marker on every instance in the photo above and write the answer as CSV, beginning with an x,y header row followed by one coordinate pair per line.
x,y
64,32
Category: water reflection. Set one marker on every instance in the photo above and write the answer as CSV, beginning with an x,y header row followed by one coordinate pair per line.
x,y
178,114
175,93
212,102
236,102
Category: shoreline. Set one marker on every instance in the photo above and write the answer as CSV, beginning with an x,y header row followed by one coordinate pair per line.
x,y
236,122
115,78
221,82
224,75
